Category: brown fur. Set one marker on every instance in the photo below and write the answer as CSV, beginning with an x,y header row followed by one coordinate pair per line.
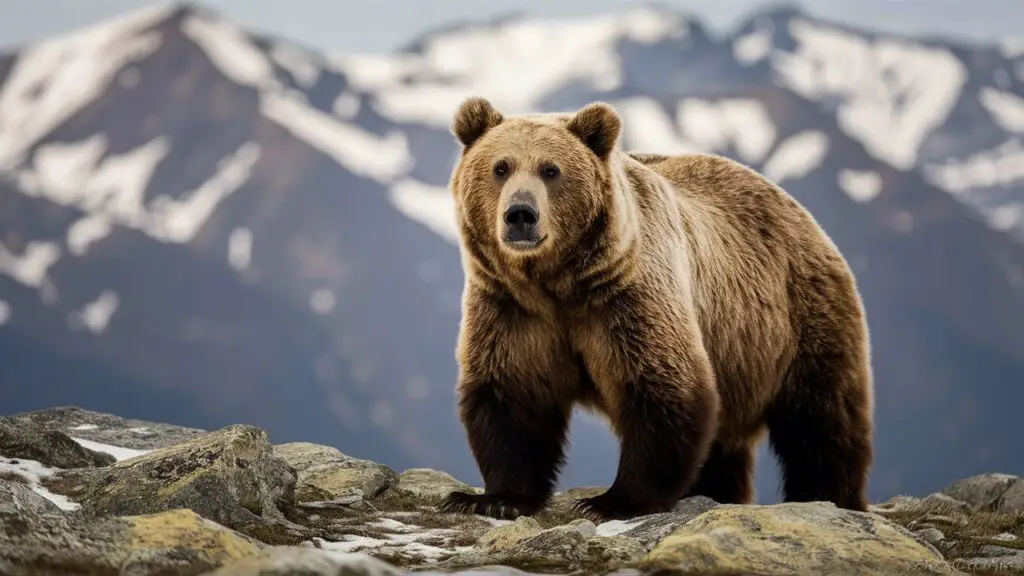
x,y
687,298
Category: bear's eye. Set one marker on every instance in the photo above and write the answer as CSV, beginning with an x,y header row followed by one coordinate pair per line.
x,y
549,171
501,169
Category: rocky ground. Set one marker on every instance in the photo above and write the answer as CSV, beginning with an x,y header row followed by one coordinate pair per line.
x,y
89,493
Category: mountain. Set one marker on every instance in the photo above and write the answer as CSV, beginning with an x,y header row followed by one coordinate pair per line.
x,y
207,226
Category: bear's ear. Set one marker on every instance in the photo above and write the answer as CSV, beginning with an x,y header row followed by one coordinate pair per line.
x,y
598,125
473,119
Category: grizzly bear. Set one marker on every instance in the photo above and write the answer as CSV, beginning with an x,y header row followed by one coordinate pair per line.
x,y
688,299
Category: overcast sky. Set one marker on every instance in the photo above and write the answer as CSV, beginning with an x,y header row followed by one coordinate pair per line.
x,y
380,25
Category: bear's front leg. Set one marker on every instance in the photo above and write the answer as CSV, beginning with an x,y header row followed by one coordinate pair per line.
x,y
518,441
667,421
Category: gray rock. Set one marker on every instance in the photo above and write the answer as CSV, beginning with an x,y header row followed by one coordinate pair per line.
x,y
327,475
1012,501
649,530
990,551
298,560
931,535
430,485
49,447
17,498
940,503
101,427
230,476
1004,564
982,491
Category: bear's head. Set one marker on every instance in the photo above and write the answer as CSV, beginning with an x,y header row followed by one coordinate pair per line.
x,y
532,187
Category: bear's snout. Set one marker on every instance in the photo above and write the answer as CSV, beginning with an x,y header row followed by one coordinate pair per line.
x,y
521,220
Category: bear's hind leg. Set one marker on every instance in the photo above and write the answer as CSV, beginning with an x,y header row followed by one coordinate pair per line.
x,y
727,476
519,446
821,428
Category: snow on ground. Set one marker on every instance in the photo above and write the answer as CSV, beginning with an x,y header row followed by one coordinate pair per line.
x,y
356,149
53,80
32,473
433,206
796,156
514,64
1006,108
616,527
894,92
861,185
116,451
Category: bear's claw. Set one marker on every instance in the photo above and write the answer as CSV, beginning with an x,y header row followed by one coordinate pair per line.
x,y
498,506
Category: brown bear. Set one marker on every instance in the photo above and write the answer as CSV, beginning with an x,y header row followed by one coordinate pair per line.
x,y
686,298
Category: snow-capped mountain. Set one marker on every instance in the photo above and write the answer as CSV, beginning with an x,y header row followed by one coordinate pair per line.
x,y
202,225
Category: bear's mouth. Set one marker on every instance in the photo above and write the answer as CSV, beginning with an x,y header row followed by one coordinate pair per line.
x,y
522,244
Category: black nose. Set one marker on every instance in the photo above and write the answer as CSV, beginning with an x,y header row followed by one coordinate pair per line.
x,y
521,216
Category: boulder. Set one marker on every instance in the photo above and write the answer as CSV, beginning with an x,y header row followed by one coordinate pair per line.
x,y
327,475
49,447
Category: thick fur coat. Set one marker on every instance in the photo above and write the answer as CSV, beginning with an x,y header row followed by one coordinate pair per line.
x,y
687,298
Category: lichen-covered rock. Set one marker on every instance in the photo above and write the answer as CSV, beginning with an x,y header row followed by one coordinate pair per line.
x,y
299,560
981,491
792,538
430,485
230,476
327,475
48,447
38,538
507,537
649,530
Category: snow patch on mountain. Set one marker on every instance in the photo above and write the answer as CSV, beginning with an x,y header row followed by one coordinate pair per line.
x,y
433,206
514,64
5,312
741,123
95,316
999,166
797,156
240,248
1006,108
53,80
232,51
753,47
297,62
861,185
894,93
357,150
86,231
30,268
647,127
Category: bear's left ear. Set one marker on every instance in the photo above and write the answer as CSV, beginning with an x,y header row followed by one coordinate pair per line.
x,y
473,119
598,125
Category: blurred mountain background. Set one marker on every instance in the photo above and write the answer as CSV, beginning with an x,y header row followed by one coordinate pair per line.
x,y
205,222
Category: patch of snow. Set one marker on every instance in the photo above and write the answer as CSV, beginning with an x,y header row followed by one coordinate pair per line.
x,y
346,105
34,472
95,316
1012,47
86,231
1000,166
433,206
30,269
796,156
322,301
352,543
359,151
141,430
1005,217
84,427
52,80
240,248
741,122
5,312
753,47
646,127
616,527
297,62
1005,537
116,451
231,51
178,220
861,185
1006,108
894,92
515,64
